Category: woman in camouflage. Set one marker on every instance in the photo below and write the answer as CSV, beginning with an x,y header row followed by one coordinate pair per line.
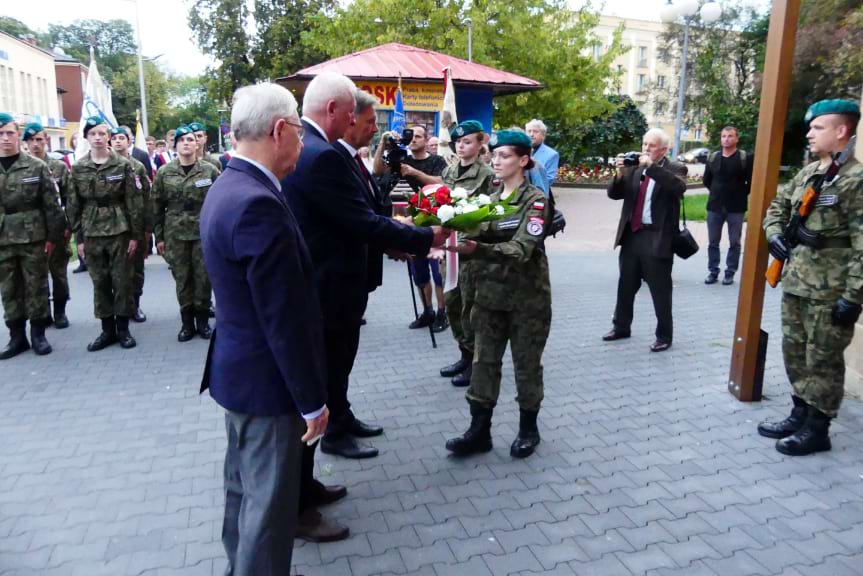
x,y
512,299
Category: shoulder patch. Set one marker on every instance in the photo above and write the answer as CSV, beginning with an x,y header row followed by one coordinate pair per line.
x,y
138,182
539,205
535,226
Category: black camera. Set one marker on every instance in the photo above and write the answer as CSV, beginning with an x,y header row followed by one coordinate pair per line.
x,y
631,158
396,151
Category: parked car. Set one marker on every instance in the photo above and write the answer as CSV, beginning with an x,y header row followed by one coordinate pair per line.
x,y
695,156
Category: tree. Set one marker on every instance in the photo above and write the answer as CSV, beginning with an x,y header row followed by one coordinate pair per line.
x,y
126,94
18,29
282,23
612,133
188,101
219,29
727,93
113,42
541,39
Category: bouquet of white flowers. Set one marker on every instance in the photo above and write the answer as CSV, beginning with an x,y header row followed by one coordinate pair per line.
x,y
435,204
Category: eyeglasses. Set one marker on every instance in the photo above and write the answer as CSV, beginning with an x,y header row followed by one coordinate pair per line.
x,y
300,129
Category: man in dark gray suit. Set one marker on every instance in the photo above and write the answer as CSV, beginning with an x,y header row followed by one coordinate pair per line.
x,y
266,363
649,220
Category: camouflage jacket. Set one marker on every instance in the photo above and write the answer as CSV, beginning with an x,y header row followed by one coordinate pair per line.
x,y
826,273
103,199
510,268
142,183
177,200
29,203
212,159
60,174
476,180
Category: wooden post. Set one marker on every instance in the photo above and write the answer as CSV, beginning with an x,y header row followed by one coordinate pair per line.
x,y
775,87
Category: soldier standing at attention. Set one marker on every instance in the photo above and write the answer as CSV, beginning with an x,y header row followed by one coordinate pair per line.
x,y
201,153
120,143
511,296
58,262
105,206
469,173
822,281
178,194
31,223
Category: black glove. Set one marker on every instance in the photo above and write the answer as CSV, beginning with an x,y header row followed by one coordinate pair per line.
x,y
845,313
777,246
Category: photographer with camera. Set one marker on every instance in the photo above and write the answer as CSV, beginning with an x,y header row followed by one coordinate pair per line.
x,y
417,169
651,187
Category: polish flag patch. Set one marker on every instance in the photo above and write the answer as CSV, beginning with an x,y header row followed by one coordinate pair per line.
x,y
539,205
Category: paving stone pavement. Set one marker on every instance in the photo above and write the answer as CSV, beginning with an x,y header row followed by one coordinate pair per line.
x,y
111,462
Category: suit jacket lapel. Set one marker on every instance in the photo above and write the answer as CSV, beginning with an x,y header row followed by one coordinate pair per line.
x,y
255,172
355,168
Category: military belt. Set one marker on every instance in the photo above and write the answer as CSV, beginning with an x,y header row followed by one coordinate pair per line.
x,y
186,206
102,202
9,210
840,242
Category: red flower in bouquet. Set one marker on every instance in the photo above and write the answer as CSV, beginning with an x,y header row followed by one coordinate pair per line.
x,y
425,205
442,196
414,199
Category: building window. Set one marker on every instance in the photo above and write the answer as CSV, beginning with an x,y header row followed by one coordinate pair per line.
x,y
698,133
660,82
4,90
620,68
597,52
660,108
642,56
640,83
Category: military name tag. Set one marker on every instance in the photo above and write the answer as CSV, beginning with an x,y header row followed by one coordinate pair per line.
x,y
535,226
827,200
203,182
508,223
31,180
114,178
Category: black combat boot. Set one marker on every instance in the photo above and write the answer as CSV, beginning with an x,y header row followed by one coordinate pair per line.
x,y
60,320
812,437
528,435
478,437
202,324
463,379
37,336
123,334
458,366
788,426
187,331
107,337
17,339
138,314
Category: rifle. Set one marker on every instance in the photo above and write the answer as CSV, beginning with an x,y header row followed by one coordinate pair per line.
x,y
807,204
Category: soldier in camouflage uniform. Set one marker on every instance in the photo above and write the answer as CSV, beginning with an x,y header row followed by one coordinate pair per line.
x,y
58,262
201,153
31,224
822,281
121,140
511,300
178,194
474,176
105,205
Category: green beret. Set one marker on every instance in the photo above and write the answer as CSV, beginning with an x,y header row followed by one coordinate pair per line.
x,y
197,127
31,129
118,130
182,131
823,107
92,122
509,138
5,118
465,128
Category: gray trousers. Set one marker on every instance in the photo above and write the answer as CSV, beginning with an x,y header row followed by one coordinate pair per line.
x,y
262,473
715,221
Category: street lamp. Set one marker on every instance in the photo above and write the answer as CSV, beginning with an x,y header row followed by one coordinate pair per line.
x,y
141,70
686,9
469,23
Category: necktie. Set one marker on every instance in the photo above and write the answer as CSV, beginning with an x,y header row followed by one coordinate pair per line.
x,y
364,171
635,221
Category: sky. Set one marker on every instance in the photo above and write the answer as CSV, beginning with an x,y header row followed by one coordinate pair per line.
x,y
165,31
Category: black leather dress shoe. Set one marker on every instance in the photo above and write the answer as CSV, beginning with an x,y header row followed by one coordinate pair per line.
x,y
660,346
360,429
319,494
615,335
346,446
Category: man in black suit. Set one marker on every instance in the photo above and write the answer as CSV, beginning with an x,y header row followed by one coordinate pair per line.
x,y
649,220
332,207
266,364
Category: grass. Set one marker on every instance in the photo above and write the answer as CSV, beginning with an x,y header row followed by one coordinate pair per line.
x,y
696,207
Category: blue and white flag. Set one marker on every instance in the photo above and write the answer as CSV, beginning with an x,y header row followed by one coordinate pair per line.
x,y
398,122
97,102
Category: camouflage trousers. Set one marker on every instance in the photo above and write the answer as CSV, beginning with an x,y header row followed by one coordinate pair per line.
x,y
458,309
138,268
813,348
24,282
187,265
111,271
58,265
526,331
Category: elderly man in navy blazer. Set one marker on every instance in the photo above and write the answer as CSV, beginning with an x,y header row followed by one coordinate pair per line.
x,y
266,363
330,203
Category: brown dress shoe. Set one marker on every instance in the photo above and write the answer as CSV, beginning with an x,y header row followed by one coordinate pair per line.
x,y
312,526
320,494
